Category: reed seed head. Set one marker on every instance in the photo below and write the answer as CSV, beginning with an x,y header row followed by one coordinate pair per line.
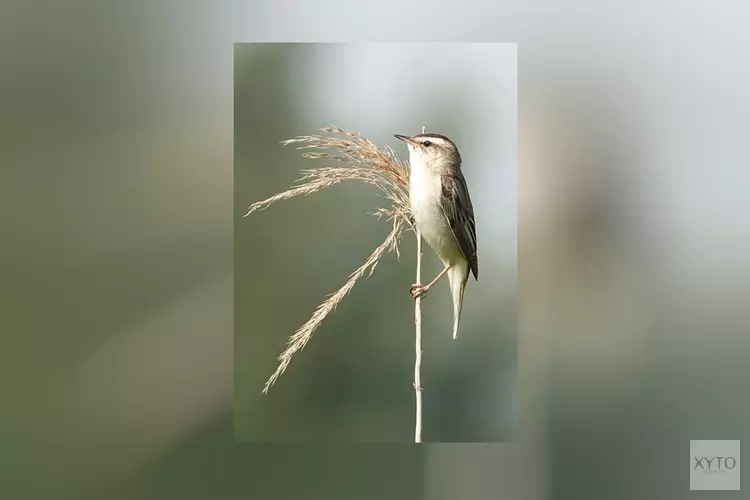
x,y
349,156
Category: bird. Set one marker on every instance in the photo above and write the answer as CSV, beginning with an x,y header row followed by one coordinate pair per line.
x,y
443,214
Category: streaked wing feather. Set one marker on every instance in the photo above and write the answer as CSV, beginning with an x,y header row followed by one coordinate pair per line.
x,y
457,208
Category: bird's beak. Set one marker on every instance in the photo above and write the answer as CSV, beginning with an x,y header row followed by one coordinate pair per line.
x,y
406,139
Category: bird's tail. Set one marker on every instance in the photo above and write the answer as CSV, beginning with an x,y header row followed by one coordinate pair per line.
x,y
458,275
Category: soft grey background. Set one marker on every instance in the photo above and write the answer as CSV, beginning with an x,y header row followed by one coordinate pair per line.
x,y
353,382
115,193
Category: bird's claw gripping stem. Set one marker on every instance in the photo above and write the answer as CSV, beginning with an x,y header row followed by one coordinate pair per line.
x,y
418,290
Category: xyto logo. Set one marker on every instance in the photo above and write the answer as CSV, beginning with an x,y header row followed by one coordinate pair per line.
x,y
713,465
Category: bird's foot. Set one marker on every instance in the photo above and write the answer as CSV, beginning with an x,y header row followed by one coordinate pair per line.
x,y
417,291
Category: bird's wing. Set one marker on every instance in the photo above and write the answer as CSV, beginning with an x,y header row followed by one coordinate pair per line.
x,y
457,208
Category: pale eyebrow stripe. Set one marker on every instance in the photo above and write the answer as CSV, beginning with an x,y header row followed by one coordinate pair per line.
x,y
436,140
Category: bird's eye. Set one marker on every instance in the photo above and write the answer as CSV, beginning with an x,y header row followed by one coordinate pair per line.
x,y
427,144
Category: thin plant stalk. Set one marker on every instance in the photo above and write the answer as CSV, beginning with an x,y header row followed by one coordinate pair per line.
x,y
418,347
418,344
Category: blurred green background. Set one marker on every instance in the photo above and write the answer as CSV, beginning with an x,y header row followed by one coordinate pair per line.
x,y
116,265
353,382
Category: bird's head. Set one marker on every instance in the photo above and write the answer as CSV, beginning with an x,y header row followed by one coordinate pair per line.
x,y
435,151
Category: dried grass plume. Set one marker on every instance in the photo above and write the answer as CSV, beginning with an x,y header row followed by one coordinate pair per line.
x,y
352,157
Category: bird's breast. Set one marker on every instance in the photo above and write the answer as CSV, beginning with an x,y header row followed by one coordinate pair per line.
x,y
425,191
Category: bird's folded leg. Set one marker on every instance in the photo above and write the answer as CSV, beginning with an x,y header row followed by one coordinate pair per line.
x,y
418,290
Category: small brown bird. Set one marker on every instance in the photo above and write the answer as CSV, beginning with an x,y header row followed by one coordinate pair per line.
x,y
443,213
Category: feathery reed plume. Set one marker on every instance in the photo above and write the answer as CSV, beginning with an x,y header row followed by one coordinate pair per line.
x,y
359,159
304,333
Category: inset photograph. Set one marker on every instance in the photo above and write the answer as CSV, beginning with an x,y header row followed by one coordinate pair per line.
x,y
375,248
